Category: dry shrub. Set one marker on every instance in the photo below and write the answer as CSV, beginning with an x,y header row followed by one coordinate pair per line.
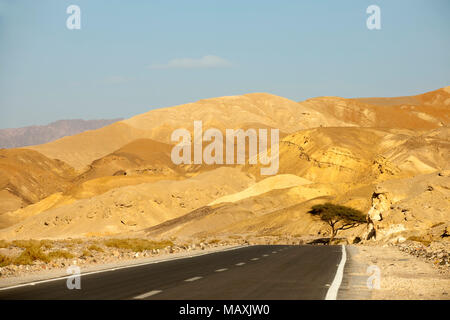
x,y
25,244
46,244
60,254
5,260
137,245
95,247
31,254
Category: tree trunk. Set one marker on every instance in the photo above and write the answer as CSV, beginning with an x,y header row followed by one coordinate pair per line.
x,y
333,234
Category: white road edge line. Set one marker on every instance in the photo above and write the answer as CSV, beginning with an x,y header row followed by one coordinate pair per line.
x,y
193,279
148,294
32,283
334,288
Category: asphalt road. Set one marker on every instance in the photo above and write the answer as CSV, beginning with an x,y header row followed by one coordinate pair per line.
x,y
254,272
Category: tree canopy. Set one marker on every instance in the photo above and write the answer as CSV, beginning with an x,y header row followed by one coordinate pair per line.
x,y
338,217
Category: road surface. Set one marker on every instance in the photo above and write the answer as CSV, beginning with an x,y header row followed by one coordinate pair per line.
x,y
253,272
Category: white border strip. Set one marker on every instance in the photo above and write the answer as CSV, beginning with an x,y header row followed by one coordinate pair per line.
x,y
32,283
334,288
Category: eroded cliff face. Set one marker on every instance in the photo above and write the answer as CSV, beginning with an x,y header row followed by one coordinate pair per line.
x,y
412,207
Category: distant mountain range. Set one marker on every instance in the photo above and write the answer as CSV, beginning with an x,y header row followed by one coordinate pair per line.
x,y
33,135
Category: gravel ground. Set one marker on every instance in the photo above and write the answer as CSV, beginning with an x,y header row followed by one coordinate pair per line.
x,y
404,275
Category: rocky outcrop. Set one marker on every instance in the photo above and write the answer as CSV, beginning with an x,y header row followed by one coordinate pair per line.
x,y
412,207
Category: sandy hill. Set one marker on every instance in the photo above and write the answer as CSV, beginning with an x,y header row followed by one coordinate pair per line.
x,y
143,156
425,111
126,208
27,176
228,214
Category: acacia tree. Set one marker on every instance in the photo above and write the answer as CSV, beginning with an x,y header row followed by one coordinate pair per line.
x,y
338,217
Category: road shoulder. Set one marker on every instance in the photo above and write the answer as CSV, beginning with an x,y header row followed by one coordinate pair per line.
x,y
401,276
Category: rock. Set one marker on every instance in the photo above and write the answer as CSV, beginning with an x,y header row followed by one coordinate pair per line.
x,y
356,240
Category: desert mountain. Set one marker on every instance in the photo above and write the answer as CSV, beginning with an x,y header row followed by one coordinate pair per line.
x,y
120,178
252,110
32,135
259,110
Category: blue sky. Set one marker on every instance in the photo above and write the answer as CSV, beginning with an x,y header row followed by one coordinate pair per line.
x,y
133,56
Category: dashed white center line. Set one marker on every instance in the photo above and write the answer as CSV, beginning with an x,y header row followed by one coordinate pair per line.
x,y
193,279
240,264
148,294
274,252
265,255
221,270
254,259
